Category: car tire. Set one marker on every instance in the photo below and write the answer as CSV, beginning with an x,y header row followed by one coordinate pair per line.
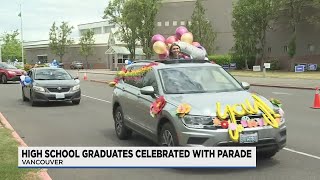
x,y
267,154
23,96
123,133
168,136
76,102
4,79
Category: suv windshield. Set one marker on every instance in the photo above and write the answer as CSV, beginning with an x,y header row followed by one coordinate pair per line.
x,y
52,74
188,80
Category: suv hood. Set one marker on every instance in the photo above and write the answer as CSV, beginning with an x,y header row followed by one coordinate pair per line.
x,y
204,104
53,83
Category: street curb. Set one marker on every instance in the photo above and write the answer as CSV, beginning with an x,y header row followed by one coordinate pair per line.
x,y
105,73
43,175
99,81
261,85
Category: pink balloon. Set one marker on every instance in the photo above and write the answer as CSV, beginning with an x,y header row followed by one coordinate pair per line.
x,y
180,31
171,40
196,44
158,37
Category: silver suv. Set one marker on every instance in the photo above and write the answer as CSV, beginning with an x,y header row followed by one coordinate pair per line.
x,y
194,103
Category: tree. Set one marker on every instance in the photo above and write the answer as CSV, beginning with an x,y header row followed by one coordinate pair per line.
x,y
59,39
86,45
259,16
294,12
201,28
128,34
245,34
140,15
11,47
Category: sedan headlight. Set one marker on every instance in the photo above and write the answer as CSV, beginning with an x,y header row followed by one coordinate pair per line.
x,y
76,88
197,121
38,89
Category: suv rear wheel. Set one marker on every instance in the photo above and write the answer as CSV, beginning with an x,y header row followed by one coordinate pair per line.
x,y
3,79
122,131
168,135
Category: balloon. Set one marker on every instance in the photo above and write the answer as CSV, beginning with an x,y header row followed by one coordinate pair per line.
x,y
196,53
171,39
180,31
196,44
27,79
158,37
165,55
22,77
159,47
187,37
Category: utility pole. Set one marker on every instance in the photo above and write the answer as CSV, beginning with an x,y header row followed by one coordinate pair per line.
x,y
22,55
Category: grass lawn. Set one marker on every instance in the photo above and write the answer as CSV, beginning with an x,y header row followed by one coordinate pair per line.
x,y
9,159
278,74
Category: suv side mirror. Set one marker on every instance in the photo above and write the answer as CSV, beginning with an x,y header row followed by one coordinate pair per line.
x,y
245,85
148,90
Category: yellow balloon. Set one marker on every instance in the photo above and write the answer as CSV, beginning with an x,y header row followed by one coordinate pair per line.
x,y
187,37
159,47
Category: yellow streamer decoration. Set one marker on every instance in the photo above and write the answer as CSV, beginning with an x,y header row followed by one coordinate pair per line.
x,y
270,117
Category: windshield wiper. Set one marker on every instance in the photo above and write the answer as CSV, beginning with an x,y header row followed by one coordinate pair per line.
x,y
42,79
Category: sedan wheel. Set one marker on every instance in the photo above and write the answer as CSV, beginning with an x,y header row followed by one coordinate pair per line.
x,y
4,79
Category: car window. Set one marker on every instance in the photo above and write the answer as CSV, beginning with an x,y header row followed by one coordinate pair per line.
x,y
1,66
9,66
150,80
52,74
188,80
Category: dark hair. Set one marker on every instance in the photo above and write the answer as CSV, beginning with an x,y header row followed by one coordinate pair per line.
x,y
170,50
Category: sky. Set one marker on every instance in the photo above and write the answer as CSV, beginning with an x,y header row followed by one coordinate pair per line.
x,y
39,15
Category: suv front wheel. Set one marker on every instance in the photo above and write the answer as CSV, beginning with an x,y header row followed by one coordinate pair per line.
x,y
168,135
122,131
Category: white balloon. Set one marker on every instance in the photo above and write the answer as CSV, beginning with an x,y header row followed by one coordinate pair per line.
x,y
196,53
22,78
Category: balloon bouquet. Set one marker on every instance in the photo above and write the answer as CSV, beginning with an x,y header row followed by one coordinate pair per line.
x,y
182,38
25,80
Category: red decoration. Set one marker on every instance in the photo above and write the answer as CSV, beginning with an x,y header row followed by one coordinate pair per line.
x,y
157,106
224,124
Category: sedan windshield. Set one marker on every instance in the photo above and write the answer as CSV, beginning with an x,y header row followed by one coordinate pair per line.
x,y
52,74
188,80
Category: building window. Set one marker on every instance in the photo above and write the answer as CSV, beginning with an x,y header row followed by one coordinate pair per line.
x,y
285,49
122,58
166,23
189,23
159,24
182,23
310,47
97,30
174,23
269,49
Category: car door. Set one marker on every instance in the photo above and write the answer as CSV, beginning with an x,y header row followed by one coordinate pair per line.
x,y
129,99
145,101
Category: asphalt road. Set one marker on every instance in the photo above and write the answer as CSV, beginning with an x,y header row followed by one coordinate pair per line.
x,y
91,124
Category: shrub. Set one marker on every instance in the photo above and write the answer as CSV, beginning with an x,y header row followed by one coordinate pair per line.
x,y
220,59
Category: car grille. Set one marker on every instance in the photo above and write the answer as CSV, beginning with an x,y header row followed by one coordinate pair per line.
x,y
59,90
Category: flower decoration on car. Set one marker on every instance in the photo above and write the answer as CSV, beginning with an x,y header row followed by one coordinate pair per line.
x,y
114,82
183,109
157,106
276,102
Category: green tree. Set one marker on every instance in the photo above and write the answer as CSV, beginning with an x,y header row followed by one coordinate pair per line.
x,y
245,33
86,45
59,39
294,12
140,15
201,28
126,31
260,16
11,47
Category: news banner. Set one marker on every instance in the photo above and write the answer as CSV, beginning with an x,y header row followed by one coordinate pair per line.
x,y
136,157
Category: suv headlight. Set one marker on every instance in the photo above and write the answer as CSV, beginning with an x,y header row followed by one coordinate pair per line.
x,y
38,89
76,88
199,122
280,111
